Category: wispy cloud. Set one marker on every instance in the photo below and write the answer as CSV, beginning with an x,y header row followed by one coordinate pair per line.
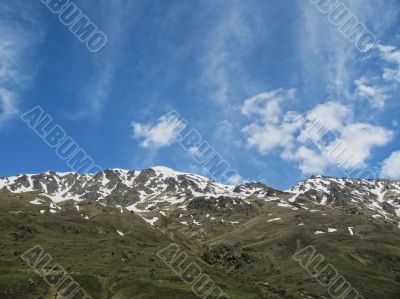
x,y
20,33
8,107
329,59
377,89
326,56
221,62
117,18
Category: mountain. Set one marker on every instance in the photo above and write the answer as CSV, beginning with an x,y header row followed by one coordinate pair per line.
x,y
380,197
158,187
107,228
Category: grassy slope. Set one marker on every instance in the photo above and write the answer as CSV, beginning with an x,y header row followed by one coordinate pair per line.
x,y
251,259
106,264
369,260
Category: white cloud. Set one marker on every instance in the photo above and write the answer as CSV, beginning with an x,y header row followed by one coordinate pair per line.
x,y
361,138
333,115
375,95
326,136
267,104
268,137
391,55
310,160
391,166
268,131
160,135
19,34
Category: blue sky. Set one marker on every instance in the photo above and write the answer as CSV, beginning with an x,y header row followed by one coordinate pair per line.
x,y
238,72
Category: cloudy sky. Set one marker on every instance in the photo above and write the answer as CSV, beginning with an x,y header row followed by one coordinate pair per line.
x,y
239,73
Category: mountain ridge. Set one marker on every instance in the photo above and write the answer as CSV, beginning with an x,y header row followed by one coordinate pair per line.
x,y
161,185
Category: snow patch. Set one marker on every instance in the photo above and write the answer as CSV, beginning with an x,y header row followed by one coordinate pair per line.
x,y
37,201
152,220
351,230
274,219
196,222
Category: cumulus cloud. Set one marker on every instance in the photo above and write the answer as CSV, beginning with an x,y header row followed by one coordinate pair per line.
x,y
268,131
326,136
333,115
361,138
391,166
162,134
309,160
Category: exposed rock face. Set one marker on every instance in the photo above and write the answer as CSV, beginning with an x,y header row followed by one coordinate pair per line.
x,y
225,255
258,187
221,204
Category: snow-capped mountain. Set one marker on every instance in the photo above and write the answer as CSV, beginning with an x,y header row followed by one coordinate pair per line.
x,y
116,186
127,188
382,196
158,187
